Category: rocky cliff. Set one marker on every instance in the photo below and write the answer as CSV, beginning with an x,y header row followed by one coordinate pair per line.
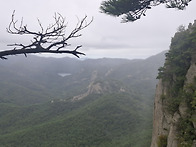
x,y
174,121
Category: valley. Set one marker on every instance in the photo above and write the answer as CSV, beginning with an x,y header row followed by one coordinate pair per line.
x,y
47,102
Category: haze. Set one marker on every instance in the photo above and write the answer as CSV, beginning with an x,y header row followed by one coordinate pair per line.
x,y
106,36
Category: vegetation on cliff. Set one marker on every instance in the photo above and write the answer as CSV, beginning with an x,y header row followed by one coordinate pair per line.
x,y
173,74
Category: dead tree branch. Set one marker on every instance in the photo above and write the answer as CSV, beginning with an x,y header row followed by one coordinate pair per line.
x,y
49,40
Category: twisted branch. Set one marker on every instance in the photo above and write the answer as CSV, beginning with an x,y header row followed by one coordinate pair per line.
x,y
50,40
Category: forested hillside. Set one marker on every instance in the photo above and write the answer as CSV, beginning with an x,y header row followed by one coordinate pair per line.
x,y
46,102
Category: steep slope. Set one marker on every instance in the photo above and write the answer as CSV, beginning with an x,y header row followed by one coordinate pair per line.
x,y
174,123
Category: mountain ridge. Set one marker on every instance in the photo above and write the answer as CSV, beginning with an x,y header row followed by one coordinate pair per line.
x,y
37,106
37,74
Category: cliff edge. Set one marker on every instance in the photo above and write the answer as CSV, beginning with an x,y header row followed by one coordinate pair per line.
x,y
174,120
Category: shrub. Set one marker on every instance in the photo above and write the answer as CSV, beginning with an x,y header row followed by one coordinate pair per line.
x,y
162,141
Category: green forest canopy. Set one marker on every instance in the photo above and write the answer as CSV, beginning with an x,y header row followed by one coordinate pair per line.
x,y
132,10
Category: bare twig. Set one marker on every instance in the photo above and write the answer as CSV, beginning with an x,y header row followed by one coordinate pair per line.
x,y
50,40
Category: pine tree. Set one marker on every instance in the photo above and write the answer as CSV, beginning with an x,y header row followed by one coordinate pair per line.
x,y
132,10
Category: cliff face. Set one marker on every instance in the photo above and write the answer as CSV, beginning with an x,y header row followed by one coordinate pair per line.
x,y
174,120
164,123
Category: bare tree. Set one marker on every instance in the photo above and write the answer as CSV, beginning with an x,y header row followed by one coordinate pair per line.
x,y
49,40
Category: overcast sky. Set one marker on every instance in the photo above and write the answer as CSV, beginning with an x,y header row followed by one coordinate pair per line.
x,y
106,36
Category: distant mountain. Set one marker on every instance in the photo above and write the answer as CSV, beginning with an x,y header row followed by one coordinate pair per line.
x,y
36,79
68,102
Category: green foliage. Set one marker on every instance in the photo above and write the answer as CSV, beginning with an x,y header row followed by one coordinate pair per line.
x,y
134,9
190,96
178,61
121,116
193,101
163,97
186,132
185,128
110,120
162,141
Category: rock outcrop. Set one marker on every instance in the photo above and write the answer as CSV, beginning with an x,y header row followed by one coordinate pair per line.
x,y
165,124
97,86
167,131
